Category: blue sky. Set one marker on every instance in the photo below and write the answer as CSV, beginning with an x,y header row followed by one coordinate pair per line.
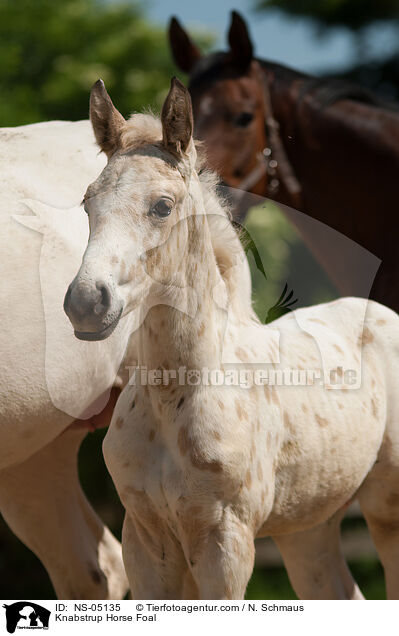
x,y
290,41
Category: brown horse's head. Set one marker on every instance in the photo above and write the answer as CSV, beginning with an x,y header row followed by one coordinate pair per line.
x,y
227,101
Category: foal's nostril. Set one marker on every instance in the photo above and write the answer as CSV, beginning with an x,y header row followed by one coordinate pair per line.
x,y
67,298
104,302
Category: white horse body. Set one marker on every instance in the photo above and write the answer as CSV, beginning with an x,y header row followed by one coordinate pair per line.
x,y
203,469
51,163
40,495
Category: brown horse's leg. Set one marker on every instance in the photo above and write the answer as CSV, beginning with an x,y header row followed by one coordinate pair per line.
x,y
43,503
315,563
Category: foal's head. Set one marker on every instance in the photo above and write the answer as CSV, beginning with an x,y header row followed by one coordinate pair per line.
x,y
227,101
135,208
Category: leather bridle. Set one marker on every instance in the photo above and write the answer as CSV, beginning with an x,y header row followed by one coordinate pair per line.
x,y
272,160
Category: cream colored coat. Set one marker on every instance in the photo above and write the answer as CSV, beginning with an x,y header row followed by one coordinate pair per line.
x,y
202,470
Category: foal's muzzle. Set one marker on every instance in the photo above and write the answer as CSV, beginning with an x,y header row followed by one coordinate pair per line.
x,y
90,308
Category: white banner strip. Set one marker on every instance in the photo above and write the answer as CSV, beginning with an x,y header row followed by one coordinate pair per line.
x,y
164,617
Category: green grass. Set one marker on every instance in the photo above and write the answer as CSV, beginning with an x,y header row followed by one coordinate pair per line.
x,y
270,584
273,583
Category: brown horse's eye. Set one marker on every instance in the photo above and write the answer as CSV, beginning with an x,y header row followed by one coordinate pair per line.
x,y
162,208
243,119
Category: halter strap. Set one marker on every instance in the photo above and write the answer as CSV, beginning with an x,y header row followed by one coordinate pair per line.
x,y
273,159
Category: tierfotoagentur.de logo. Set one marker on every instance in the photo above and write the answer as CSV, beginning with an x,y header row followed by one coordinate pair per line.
x,y
26,615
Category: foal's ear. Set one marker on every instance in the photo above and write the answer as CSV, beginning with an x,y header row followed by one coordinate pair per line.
x,y
184,51
106,120
239,40
177,118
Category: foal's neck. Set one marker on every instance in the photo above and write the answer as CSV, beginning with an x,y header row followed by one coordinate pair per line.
x,y
185,328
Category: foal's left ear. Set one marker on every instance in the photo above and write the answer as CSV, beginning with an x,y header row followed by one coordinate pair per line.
x,y
177,118
106,120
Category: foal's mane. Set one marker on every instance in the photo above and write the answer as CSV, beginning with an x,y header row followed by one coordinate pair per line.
x,y
144,129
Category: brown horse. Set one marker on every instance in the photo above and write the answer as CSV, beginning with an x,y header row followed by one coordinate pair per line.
x,y
323,147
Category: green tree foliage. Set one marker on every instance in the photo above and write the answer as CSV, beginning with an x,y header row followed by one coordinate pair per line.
x,y
52,51
354,14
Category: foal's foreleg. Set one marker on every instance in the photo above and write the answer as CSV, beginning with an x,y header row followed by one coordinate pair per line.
x,y
315,563
154,561
222,563
43,503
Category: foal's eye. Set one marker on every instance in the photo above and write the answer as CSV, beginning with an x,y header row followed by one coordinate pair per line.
x,y
162,208
243,119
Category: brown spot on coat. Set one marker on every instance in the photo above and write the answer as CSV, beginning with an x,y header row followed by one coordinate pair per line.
x,y
254,393
201,330
289,451
248,479
321,421
201,463
241,354
287,422
374,408
96,575
151,435
183,440
239,409
366,337
119,423
275,397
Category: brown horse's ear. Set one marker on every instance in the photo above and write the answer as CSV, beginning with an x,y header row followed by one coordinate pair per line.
x,y
239,40
106,120
184,51
177,118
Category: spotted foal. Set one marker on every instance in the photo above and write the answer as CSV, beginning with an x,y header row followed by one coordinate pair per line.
x,y
202,467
